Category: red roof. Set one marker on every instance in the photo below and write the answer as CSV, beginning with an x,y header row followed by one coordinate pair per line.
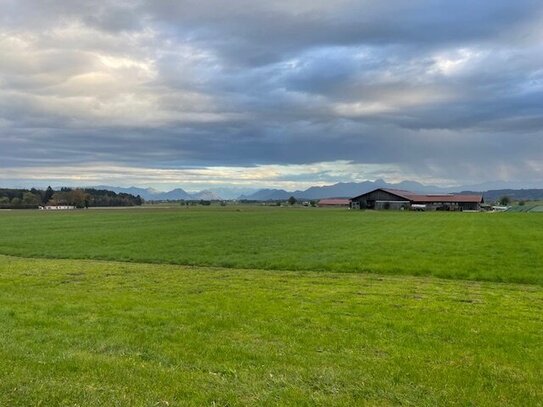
x,y
448,198
334,202
428,198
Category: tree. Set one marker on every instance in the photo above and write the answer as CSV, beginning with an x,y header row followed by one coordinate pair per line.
x,y
78,198
59,198
47,195
505,201
31,199
4,200
292,200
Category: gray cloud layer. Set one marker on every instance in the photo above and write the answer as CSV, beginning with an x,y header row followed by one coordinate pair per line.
x,y
440,90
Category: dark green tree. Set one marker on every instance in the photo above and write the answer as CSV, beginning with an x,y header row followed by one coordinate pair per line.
x,y
16,201
505,201
292,200
47,195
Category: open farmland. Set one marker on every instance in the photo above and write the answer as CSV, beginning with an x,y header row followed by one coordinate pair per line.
x,y
476,246
105,333
270,306
530,206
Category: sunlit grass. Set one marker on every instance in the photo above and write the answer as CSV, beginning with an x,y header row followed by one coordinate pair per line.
x,y
105,333
476,246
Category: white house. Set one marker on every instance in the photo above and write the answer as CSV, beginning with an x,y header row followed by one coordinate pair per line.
x,y
56,207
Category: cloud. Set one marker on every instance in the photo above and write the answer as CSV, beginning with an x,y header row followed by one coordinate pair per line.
x,y
443,91
289,176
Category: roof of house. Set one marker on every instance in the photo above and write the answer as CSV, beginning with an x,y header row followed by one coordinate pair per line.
x,y
334,201
429,198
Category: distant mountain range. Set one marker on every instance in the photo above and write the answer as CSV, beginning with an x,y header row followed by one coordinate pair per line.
x,y
150,194
491,191
352,189
340,190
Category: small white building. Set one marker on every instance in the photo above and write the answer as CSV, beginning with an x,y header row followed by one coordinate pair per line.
x,y
56,207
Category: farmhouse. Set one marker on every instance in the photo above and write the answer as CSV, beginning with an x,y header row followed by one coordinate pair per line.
x,y
383,198
334,203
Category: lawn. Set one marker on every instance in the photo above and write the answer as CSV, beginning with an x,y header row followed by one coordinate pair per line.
x,y
107,333
476,246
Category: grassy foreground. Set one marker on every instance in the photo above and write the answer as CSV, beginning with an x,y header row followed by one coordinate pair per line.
x,y
105,333
476,246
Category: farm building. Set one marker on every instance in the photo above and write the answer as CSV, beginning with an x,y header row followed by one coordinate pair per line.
x,y
334,203
56,207
382,198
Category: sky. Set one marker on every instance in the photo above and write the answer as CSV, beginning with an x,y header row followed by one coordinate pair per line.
x,y
288,93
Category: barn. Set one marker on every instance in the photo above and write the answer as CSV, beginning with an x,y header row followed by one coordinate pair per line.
x,y
334,203
384,198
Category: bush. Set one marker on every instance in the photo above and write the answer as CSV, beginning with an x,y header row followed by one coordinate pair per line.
x,y
505,201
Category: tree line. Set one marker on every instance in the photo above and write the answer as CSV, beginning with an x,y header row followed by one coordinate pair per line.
x,y
78,197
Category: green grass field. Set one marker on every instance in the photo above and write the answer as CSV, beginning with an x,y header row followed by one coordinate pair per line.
x,y
529,206
104,333
316,307
477,246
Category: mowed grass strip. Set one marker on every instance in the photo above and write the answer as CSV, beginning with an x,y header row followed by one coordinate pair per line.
x,y
476,246
108,333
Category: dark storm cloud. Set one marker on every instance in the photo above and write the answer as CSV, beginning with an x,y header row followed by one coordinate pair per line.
x,y
448,90
260,32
